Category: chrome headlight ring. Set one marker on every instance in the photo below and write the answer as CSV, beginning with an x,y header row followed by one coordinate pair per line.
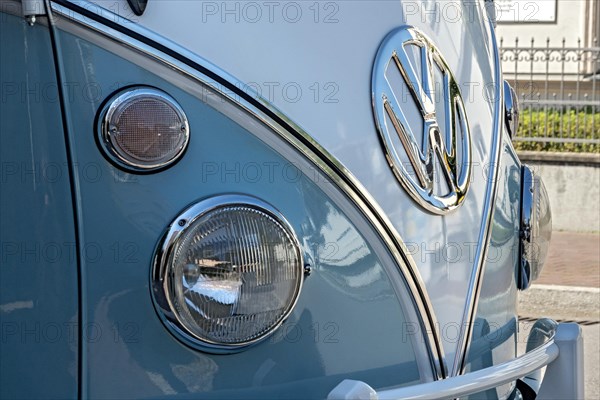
x,y
535,229
511,109
203,291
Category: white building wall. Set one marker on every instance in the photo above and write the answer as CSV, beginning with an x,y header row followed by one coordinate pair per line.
x,y
571,22
575,21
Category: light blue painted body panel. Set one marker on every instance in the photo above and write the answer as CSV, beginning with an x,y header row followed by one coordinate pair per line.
x,y
495,324
347,304
38,263
316,67
349,322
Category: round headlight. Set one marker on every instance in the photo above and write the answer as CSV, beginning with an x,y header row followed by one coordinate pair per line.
x,y
228,272
144,129
536,227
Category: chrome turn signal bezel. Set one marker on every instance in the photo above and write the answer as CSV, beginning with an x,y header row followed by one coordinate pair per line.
x,y
107,128
162,290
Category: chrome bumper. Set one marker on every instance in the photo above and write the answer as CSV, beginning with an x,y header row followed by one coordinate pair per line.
x,y
557,346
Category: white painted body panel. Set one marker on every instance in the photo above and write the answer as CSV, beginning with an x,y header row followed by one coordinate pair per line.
x,y
317,71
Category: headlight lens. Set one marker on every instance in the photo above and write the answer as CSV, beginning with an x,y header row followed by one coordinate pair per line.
x,y
536,227
231,271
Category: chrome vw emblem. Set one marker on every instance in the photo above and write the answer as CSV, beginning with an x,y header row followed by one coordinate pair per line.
x,y
421,118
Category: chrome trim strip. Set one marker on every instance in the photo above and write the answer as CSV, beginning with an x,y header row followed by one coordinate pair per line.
x,y
292,134
162,286
464,340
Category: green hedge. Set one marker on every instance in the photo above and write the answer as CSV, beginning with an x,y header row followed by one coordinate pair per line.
x,y
589,128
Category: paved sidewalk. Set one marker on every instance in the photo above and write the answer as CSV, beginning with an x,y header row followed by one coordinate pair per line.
x,y
573,260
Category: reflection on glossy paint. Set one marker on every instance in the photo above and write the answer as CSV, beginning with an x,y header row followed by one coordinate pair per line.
x,y
494,333
343,257
198,375
311,351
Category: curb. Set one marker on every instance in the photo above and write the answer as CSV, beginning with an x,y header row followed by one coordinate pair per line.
x,y
567,303
591,159
563,288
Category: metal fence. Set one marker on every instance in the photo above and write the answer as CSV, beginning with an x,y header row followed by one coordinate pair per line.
x,y
559,93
